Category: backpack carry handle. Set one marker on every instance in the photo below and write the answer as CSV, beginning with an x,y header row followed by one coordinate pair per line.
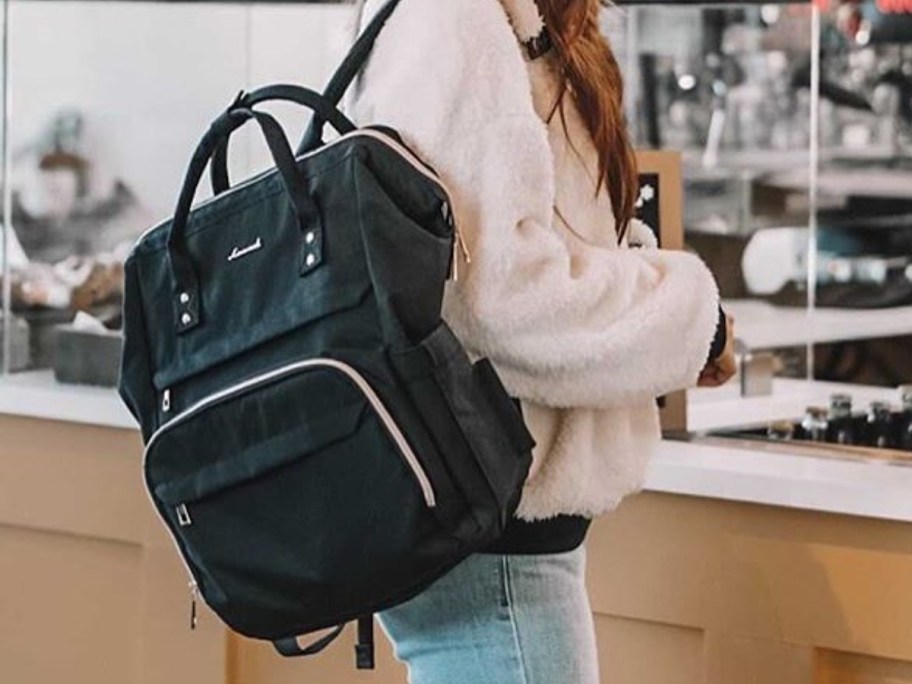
x,y
290,648
321,107
364,649
344,76
185,281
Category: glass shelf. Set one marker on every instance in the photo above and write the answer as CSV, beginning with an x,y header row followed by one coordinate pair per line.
x,y
109,98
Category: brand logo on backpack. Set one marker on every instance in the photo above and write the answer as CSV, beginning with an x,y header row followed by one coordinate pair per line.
x,y
239,252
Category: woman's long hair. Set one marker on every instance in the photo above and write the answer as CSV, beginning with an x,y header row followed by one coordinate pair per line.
x,y
592,75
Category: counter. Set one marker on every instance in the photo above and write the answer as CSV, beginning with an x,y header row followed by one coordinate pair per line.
x,y
35,394
713,471
734,566
762,325
777,478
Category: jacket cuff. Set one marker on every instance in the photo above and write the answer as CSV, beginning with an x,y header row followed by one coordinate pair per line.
x,y
721,338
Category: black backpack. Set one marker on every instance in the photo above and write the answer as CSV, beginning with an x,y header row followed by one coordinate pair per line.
x,y
318,442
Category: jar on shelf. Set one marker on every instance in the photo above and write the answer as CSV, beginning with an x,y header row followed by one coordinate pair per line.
x,y
841,428
879,427
815,424
781,430
905,424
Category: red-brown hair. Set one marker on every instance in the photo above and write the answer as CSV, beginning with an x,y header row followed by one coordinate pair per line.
x,y
592,75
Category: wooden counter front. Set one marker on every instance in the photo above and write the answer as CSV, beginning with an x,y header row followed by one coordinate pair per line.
x,y
685,590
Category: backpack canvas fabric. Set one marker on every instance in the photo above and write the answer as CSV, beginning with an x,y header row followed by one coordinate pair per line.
x,y
318,442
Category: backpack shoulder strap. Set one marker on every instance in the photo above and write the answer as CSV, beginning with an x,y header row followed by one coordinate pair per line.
x,y
347,71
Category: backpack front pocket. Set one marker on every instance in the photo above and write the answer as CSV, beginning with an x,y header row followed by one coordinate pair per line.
x,y
474,424
297,466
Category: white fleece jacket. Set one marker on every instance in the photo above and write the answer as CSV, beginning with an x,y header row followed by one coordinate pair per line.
x,y
586,333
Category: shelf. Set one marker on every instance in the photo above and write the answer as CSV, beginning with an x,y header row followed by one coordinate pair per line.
x,y
856,488
760,473
36,394
723,408
893,184
764,326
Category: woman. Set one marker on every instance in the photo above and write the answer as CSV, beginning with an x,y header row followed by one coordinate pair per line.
x,y
517,104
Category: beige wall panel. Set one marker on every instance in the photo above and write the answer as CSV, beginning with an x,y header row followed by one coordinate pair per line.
x,y
853,599
70,609
741,600
756,571
67,477
652,559
172,652
686,590
835,667
638,652
258,663
736,660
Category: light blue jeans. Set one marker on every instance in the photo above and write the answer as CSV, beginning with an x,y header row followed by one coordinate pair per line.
x,y
499,619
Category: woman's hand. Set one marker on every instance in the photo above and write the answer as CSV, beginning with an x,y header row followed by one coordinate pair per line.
x,y
723,368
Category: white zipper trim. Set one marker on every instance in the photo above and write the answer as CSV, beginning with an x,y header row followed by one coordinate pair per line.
x,y
403,151
376,403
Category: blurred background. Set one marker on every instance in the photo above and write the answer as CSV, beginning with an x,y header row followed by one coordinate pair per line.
x,y
778,508
797,196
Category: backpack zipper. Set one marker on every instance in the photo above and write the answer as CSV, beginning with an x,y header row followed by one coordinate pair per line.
x,y
389,423
459,245
403,152
194,594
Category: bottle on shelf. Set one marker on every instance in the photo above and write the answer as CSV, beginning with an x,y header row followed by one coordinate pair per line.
x,y
905,431
841,429
879,425
814,426
781,430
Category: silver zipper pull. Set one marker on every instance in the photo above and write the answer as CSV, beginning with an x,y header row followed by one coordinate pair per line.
x,y
459,246
183,516
454,263
194,592
459,249
462,245
447,214
166,401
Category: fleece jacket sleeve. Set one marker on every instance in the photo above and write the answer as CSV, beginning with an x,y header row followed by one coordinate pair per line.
x,y
585,326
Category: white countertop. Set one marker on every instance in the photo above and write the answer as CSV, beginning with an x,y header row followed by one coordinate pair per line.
x,y
713,471
764,326
758,474
858,488
712,409
35,394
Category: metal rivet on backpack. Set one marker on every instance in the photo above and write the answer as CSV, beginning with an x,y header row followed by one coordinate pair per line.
x,y
184,297
310,237
186,319
310,260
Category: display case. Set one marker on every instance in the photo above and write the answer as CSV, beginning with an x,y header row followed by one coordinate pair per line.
x,y
794,123
749,557
732,86
107,101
